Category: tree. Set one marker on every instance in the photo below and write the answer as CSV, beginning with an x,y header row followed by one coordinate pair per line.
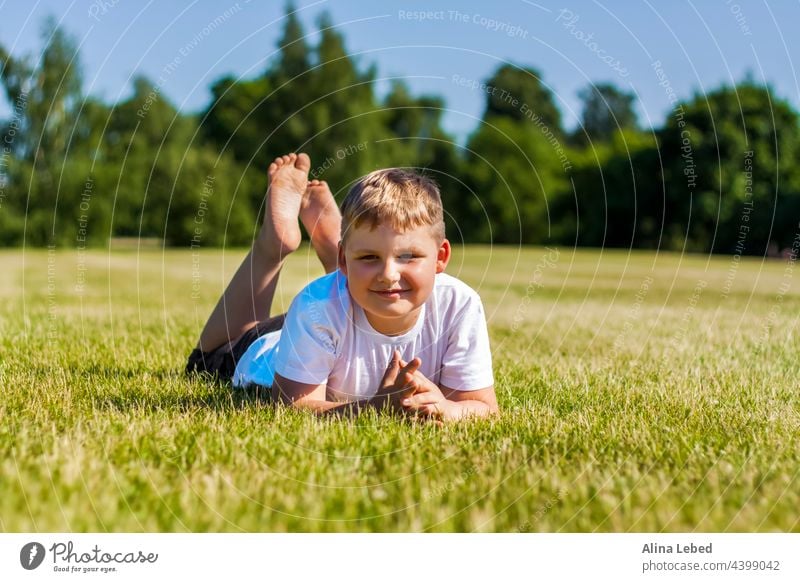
x,y
316,100
346,125
515,176
289,76
616,201
606,111
517,162
518,93
294,57
730,173
167,183
45,98
233,119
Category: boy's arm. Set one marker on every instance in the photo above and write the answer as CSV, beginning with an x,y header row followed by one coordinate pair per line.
x,y
482,402
448,404
313,397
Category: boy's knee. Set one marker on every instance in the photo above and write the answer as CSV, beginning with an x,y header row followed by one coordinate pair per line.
x,y
194,363
216,363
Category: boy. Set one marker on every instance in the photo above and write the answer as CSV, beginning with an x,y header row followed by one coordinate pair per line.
x,y
385,326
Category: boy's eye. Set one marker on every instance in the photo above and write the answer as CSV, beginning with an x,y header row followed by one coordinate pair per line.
x,y
401,257
411,256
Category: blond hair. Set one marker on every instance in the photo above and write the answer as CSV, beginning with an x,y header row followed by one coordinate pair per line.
x,y
400,198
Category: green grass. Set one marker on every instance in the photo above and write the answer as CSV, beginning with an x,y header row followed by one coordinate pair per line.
x,y
640,392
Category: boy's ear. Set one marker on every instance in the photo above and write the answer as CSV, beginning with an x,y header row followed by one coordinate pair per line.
x,y
341,259
443,256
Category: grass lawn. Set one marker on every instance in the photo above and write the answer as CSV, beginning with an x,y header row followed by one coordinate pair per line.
x,y
640,392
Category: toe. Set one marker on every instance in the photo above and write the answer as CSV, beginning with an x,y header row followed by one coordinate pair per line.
x,y
303,162
286,159
272,168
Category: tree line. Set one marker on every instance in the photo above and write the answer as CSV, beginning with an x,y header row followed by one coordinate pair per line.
x,y
719,174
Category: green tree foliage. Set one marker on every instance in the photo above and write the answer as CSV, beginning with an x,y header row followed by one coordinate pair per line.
x,y
253,120
606,111
719,176
167,184
339,120
516,173
347,125
234,118
730,173
518,162
518,93
415,122
615,201
283,130
313,99
43,178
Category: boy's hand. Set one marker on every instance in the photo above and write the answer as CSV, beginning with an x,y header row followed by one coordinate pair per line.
x,y
426,399
397,383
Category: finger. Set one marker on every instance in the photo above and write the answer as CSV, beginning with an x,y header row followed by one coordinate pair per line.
x,y
421,399
409,390
430,410
412,366
390,376
396,363
408,384
392,370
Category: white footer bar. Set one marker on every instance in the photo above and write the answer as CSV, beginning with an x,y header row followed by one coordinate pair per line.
x,y
389,557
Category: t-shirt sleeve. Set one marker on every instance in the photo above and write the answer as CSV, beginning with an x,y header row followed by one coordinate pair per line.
x,y
467,362
306,351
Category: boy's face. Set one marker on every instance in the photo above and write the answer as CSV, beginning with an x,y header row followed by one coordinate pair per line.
x,y
390,274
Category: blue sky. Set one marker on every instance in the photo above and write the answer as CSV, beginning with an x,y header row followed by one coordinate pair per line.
x,y
700,45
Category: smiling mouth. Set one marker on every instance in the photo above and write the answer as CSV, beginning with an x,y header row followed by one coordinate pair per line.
x,y
390,292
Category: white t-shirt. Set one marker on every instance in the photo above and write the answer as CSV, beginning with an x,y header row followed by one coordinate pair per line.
x,y
326,338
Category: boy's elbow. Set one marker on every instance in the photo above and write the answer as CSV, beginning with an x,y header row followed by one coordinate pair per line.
x,y
281,396
291,400
490,409
296,394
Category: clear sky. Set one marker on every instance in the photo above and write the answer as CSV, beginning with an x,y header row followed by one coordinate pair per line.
x,y
700,45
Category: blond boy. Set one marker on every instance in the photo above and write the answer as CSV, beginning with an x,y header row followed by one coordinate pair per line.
x,y
386,327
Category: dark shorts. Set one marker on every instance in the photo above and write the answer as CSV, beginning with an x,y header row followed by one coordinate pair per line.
x,y
221,362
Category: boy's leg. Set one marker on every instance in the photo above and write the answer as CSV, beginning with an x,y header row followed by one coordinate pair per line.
x,y
248,297
323,222
222,361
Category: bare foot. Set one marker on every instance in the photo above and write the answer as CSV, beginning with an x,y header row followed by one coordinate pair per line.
x,y
288,178
320,215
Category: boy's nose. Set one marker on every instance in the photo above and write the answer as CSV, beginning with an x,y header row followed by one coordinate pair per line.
x,y
389,272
